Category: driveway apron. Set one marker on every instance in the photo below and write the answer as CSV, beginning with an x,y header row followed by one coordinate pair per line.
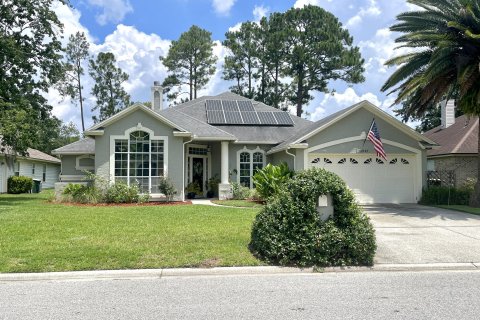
x,y
420,234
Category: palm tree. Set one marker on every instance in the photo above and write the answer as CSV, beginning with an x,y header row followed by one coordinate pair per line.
x,y
444,59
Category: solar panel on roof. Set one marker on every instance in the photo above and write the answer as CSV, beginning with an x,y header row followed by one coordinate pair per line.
x,y
245,105
215,117
230,105
213,105
266,117
283,118
250,117
232,117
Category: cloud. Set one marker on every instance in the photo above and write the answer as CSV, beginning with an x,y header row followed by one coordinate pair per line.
x,y
259,12
222,7
114,11
303,3
369,11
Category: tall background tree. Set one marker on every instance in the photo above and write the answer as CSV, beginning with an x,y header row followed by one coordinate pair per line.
x,y
319,50
108,90
445,40
30,63
289,55
76,53
190,61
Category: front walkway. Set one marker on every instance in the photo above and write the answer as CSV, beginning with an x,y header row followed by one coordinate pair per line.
x,y
415,234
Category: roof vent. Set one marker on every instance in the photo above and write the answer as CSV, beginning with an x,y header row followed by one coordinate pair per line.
x,y
448,113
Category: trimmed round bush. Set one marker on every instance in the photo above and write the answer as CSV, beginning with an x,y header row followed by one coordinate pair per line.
x,y
289,231
20,184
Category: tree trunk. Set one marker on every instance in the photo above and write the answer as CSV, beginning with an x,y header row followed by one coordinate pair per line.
x,y
475,196
299,96
80,97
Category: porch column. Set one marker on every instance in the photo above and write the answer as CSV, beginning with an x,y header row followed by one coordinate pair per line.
x,y
224,165
224,188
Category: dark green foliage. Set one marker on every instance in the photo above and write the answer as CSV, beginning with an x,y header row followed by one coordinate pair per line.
x,y
30,63
108,90
288,231
190,61
167,188
95,192
269,180
20,184
436,195
80,193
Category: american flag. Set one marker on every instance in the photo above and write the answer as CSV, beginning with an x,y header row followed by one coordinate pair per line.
x,y
374,137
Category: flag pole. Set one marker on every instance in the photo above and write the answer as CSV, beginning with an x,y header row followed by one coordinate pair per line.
x,y
366,136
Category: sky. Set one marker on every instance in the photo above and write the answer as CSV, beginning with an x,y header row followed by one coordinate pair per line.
x,y
137,32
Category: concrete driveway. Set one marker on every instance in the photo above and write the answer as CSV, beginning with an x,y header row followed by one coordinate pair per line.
x,y
414,234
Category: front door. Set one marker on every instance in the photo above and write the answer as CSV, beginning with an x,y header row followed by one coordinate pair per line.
x,y
198,172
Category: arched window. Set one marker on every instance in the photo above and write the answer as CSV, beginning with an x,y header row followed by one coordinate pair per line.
x,y
249,161
139,160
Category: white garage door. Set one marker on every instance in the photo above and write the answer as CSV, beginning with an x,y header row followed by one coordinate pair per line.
x,y
3,177
373,180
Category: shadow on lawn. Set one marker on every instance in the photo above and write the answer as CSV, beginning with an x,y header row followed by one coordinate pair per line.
x,y
17,200
419,211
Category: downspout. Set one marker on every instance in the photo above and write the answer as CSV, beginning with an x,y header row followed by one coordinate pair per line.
x,y
294,158
183,166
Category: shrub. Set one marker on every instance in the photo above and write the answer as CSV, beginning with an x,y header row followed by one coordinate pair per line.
x,y
167,188
20,184
437,195
120,192
239,192
82,193
269,179
289,231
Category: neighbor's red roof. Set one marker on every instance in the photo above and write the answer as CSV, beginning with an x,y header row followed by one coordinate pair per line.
x,y
460,138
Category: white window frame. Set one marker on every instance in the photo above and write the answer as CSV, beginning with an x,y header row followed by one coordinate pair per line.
x,y
126,136
17,167
84,156
251,152
33,169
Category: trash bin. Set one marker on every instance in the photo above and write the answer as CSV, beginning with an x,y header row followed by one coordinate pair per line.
x,y
37,186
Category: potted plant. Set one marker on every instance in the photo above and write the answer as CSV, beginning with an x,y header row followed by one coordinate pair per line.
x,y
192,190
212,185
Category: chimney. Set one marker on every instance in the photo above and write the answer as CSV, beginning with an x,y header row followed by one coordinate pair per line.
x,y
448,113
157,96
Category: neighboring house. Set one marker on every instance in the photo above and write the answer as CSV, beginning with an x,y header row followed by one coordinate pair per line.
x,y
36,165
230,136
455,161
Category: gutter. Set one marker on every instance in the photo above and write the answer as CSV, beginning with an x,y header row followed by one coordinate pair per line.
x,y
294,158
183,167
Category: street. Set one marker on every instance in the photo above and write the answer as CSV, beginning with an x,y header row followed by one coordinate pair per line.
x,y
344,295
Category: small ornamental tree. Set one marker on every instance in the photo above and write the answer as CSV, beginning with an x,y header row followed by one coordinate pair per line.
x,y
289,231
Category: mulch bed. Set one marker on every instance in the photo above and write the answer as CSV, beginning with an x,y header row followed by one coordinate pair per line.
x,y
145,204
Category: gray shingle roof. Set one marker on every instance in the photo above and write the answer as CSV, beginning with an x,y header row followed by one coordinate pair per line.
x,y
263,134
198,128
82,146
34,154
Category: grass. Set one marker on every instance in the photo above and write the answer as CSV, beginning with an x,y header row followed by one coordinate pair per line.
x,y
38,236
238,203
462,208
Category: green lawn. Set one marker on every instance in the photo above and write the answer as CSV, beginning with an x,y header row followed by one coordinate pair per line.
x,y
238,203
461,208
38,236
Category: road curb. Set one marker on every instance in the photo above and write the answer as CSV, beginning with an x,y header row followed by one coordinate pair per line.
x,y
225,271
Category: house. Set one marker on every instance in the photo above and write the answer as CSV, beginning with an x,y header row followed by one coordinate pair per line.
x,y
36,165
231,136
455,161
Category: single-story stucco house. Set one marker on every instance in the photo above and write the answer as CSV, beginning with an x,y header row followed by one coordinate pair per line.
x,y
455,160
36,165
230,136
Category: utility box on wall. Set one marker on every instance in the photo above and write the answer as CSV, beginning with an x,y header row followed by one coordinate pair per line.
x,y
325,206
